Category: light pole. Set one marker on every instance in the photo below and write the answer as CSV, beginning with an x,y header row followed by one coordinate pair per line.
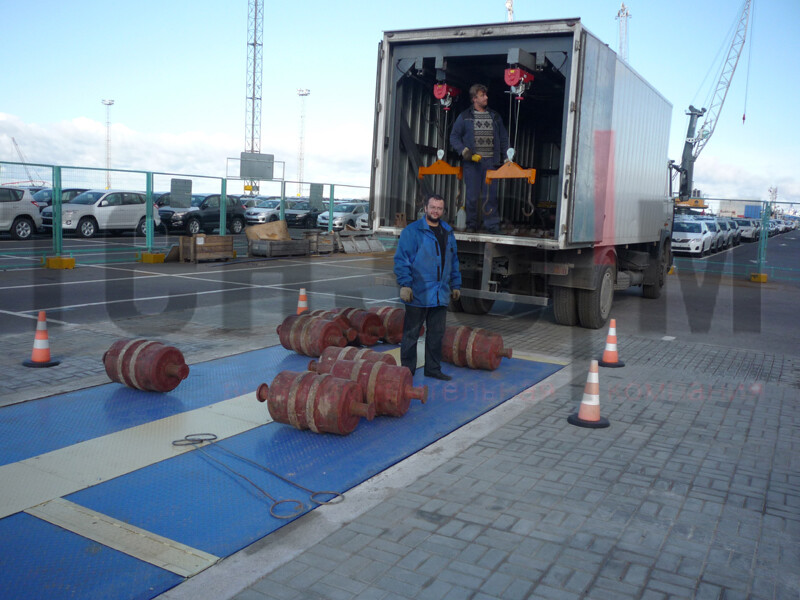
x,y
108,104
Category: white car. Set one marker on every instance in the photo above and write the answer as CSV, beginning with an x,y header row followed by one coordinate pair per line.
x,y
19,214
749,229
343,215
691,236
266,211
103,210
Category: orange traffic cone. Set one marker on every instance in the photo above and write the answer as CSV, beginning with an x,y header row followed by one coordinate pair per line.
x,y
40,357
302,302
610,355
588,414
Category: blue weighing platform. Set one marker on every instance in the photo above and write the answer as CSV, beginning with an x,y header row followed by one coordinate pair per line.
x,y
194,498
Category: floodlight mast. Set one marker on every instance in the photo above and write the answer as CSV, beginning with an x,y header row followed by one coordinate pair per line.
x,y
108,104
300,148
252,125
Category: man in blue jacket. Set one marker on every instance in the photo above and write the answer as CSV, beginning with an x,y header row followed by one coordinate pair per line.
x,y
426,266
481,139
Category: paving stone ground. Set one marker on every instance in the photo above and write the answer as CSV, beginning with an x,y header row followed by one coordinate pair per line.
x,y
692,492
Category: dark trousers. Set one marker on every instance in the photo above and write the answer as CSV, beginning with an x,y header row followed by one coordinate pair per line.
x,y
434,319
477,190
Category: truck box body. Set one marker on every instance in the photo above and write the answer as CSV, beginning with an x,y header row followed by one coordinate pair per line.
x,y
595,131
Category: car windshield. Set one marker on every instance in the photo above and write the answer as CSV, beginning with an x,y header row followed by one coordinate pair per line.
x,y
687,227
89,197
269,204
345,208
197,200
300,206
43,195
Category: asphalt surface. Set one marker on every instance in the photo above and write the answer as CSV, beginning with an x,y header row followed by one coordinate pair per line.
x,y
692,492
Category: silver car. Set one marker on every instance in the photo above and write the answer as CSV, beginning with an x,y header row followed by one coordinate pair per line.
x,y
343,215
266,211
103,210
692,237
19,214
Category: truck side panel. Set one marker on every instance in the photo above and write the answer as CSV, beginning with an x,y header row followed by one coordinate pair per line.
x,y
619,174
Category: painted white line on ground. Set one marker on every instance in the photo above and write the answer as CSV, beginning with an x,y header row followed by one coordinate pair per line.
x,y
150,547
33,316
55,474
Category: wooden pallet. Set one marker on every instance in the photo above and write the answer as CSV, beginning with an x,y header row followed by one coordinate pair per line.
x,y
272,248
206,247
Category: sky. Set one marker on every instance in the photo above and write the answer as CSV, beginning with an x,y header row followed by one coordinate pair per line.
x,y
176,70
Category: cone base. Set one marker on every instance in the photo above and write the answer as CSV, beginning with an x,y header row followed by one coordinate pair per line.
x,y
38,365
573,419
613,365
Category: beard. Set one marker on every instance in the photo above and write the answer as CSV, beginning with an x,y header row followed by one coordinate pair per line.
x,y
434,220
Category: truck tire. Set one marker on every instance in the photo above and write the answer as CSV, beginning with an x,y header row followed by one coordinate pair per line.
x,y
594,306
664,261
455,306
565,306
476,306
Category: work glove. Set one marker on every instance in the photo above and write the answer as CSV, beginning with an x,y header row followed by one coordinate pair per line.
x,y
466,154
455,294
406,295
476,158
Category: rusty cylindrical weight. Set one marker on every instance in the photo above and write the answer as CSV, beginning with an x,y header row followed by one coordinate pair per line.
x,y
145,365
321,403
388,387
332,354
473,348
309,335
348,331
392,319
368,325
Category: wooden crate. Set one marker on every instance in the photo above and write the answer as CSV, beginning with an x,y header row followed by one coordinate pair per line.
x,y
206,247
279,248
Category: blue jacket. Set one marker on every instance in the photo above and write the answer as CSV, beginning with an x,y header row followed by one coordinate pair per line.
x,y
463,134
418,264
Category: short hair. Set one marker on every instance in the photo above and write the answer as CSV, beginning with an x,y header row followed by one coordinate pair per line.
x,y
433,197
477,87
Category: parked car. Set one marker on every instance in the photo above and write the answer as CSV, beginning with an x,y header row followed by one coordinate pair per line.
x,y
343,215
301,215
44,197
19,214
203,215
102,210
362,223
737,234
748,229
266,211
719,235
727,232
249,201
691,236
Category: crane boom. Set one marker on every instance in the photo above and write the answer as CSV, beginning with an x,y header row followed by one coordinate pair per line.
x,y
724,83
22,160
694,144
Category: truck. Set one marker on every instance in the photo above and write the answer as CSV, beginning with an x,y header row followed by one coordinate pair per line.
x,y
585,202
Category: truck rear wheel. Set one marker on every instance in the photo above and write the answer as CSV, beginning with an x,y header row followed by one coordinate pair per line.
x,y
476,306
565,306
664,261
594,306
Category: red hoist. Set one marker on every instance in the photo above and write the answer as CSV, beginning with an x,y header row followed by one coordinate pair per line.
x,y
445,94
519,80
